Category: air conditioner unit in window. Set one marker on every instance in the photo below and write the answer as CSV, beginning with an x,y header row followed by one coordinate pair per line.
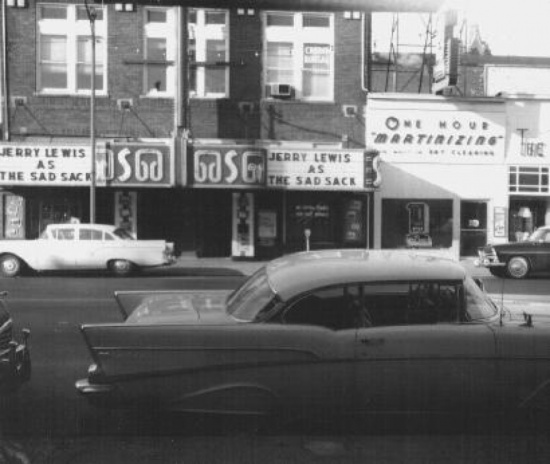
x,y
280,90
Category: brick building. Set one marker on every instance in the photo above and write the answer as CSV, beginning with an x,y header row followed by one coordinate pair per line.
x,y
173,148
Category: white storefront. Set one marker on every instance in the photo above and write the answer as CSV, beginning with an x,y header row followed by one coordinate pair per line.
x,y
528,162
444,179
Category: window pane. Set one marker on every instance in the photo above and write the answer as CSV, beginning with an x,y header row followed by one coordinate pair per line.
x,y
84,65
316,21
215,17
53,12
156,78
53,66
82,13
156,16
278,19
192,52
215,76
156,49
279,55
316,76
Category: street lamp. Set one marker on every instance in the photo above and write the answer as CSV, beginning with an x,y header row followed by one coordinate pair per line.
x,y
92,15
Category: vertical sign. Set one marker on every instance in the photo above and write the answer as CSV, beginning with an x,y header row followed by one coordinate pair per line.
x,y
242,244
500,222
126,211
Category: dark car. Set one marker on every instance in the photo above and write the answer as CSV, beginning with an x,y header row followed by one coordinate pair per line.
x,y
323,332
15,361
518,259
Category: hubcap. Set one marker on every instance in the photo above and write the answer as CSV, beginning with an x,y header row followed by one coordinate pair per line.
x,y
518,268
9,265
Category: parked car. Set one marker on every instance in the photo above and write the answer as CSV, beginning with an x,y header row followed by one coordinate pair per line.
x,y
83,246
518,259
15,361
335,331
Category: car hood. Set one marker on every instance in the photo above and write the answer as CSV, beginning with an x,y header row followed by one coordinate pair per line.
x,y
181,307
512,245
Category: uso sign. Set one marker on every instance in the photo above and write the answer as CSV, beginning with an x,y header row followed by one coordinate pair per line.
x,y
228,166
146,164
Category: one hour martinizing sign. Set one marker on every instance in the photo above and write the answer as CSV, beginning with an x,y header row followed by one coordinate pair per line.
x,y
44,164
319,169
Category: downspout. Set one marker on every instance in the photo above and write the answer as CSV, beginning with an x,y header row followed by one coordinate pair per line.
x,y
5,87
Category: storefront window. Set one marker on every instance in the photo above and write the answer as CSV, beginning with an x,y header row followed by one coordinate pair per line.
x,y
529,179
333,221
417,223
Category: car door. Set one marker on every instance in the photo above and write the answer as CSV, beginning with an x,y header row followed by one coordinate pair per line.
x,y
323,323
58,251
88,255
419,356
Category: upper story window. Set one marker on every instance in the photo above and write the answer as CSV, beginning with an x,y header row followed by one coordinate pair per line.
x,y
160,50
64,52
209,53
299,55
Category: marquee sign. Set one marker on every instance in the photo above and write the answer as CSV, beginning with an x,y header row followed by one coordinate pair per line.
x,y
44,165
342,170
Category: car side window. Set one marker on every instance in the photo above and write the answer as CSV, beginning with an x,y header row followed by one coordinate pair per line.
x,y
90,234
65,234
108,236
330,307
411,303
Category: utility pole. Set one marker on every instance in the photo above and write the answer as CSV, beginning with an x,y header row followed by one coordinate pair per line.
x,y
92,15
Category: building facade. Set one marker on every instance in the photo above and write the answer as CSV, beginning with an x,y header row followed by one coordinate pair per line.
x,y
241,132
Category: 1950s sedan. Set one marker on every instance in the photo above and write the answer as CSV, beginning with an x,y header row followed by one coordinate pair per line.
x,y
83,246
518,259
335,331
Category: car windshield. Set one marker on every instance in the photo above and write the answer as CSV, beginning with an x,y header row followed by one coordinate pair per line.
x,y
123,234
539,235
253,297
479,306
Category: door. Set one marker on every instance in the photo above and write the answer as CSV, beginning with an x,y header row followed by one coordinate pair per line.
x,y
60,250
418,356
473,227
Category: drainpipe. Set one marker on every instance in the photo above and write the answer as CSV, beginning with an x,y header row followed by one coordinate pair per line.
x,y
5,88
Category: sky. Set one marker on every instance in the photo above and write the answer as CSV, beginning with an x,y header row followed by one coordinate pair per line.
x,y
510,27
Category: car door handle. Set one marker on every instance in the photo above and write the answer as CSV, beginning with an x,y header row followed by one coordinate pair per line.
x,y
372,341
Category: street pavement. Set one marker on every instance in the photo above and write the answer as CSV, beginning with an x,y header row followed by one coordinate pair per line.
x,y
240,447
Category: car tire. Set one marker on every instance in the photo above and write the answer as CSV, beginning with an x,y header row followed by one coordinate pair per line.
x,y
517,267
121,267
498,271
10,266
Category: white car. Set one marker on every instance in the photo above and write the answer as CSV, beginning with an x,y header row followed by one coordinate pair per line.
x,y
83,246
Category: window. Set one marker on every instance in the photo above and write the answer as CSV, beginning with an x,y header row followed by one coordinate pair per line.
x,y
529,179
335,308
63,234
209,53
160,50
300,53
65,50
90,234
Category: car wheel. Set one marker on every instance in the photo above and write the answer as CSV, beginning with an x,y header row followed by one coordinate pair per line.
x,y
518,267
10,265
121,267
